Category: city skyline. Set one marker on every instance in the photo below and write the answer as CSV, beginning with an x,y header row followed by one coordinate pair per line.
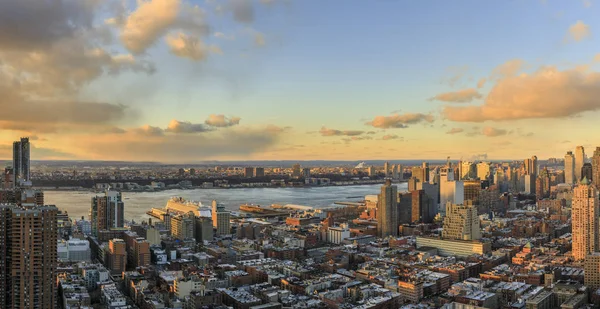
x,y
244,79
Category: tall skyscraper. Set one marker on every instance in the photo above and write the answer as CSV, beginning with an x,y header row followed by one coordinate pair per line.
x,y
107,212
570,168
579,160
425,167
467,170
386,169
21,162
596,167
420,207
585,225
28,256
221,219
587,171
387,210
461,222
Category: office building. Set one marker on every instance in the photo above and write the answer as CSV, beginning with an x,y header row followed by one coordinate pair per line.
x,y
296,171
529,181
412,183
579,161
596,167
387,210
338,234
587,171
259,172
542,185
107,212
450,190
400,171
483,171
592,271
183,226
450,247
425,167
461,222
221,219
248,172
395,174
472,190
141,252
204,229
117,256
306,173
418,173
467,170
28,256
404,203
570,168
585,212
386,169
21,162
372,171
420,211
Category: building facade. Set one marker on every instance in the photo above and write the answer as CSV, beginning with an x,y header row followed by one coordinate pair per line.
x,y
585,212
387,210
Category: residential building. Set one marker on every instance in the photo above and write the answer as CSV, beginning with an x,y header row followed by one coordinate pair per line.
x,y
570,168
579,161
585,226
461,222
387,210
221,219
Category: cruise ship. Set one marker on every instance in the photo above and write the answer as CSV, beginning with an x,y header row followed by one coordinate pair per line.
x,y
180,205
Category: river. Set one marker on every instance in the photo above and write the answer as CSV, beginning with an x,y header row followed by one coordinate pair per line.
x,y
77,203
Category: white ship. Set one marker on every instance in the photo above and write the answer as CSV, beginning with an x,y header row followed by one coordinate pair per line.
x,y
360,165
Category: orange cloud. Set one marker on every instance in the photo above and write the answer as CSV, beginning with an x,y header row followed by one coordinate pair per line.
x,y
493,132
455,131
190,47
547,93
461,96
399,120
579,31
222,121
333,132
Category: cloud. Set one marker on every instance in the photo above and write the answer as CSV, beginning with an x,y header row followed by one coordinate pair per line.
x,y
546,93
597,57
391,137
493,132
578,31
456,74
332,132
149,130
587,3
178,147
276,129
481,82
50,153
190,47
222,121
399,120
242,10
455,131
259,39
461,96
508,69
150,21
223,36
176,126
356,138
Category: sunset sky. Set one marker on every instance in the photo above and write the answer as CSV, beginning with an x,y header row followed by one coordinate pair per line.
x,y
185,81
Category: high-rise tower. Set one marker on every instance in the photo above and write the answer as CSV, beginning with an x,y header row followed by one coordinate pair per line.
x,y
585,211
107,212
21,162
28,256
461,222
387,210
596,167
569,168
579,161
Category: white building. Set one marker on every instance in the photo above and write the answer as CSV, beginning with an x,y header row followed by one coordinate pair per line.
x,y
451,190
483,170
74,250
338,234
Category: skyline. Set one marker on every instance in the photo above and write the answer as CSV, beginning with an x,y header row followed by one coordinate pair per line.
x,y
179,81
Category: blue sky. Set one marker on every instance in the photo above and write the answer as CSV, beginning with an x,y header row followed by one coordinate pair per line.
x,y
321,72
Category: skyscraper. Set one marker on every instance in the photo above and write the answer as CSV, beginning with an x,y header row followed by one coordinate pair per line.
x,y
596,167
450,190
221,219
585,211
387,210
483,170
107,212
579,160
587,171
386,169
569,168
21,162
28,256
461,222
425,167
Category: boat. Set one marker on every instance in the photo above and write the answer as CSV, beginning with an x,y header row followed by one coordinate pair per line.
x,y
252,208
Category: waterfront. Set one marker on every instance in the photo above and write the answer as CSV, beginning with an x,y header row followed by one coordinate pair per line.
x,y
77,203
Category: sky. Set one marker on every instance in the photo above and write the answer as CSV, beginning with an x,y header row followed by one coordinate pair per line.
x,y
191,80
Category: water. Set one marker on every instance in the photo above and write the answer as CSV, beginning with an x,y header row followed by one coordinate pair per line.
x,y
77,204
